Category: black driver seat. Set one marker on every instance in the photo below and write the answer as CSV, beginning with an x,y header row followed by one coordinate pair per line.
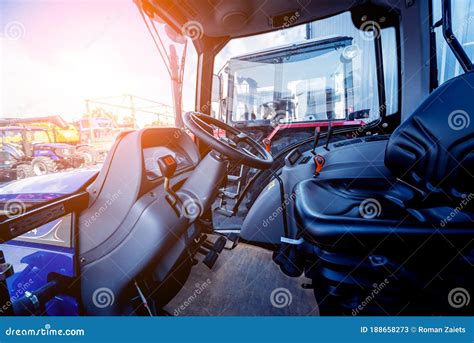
x,y
411,224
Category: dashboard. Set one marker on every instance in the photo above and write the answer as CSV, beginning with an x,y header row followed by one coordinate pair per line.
x,y
152,154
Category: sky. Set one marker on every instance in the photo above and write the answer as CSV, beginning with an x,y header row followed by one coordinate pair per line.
x,y
55,54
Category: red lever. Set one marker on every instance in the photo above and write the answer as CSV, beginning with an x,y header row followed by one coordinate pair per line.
x,y
319,162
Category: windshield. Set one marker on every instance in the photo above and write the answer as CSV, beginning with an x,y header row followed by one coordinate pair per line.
x,y
38,136
314,76
284,85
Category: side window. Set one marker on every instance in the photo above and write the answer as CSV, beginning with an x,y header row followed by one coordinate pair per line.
x,y
463,28
390,68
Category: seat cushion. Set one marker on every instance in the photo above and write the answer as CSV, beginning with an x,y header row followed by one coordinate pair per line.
x,y
428,184
360,216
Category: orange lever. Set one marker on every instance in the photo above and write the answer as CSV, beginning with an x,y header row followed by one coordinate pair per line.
x,y
319,162
268,144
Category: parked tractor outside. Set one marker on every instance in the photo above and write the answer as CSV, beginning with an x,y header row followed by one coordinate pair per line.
x,y
29,151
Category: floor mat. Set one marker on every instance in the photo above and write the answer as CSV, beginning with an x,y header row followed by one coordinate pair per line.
x,y
243,282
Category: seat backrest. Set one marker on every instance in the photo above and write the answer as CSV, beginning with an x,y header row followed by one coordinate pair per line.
x,y
433,149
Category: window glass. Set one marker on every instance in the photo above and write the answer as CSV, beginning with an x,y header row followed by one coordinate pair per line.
x,y
463,29
287,87
38,136
331,75
390,61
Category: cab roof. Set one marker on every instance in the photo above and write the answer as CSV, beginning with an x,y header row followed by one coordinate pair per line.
x,y
230,18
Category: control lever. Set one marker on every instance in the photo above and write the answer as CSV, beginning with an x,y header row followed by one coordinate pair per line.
x,y
317,134
328,139
168,165
319,162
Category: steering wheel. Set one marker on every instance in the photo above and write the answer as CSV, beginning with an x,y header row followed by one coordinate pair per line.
x,y
200,125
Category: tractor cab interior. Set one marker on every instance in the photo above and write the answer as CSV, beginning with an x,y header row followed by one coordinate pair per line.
x,y
332,172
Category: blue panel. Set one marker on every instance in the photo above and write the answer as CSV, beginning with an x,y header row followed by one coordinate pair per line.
x,y
32,263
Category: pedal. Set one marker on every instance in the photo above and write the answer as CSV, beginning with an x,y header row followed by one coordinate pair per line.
x,y
224,212
219,244
228,195
234,238
203,251
210,259
233,178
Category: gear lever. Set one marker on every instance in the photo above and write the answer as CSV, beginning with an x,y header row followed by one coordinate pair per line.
x,y
167,165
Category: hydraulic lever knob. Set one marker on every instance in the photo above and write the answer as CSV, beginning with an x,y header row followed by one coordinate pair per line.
x,y
167,165
319,162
